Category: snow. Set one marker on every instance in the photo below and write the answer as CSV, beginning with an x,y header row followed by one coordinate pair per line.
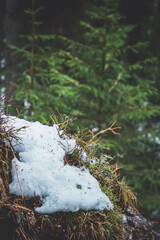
x,y
40,170
124,218
157,140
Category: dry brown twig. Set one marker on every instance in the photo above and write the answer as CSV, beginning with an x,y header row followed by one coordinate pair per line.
x,y
111,128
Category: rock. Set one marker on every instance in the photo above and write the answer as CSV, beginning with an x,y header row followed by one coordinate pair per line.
x,y
138,227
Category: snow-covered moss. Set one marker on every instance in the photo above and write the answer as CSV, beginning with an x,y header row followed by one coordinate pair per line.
x,y
41,170
55,187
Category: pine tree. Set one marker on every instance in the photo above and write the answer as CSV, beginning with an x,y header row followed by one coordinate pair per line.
x,y
108,83
114,88
41,85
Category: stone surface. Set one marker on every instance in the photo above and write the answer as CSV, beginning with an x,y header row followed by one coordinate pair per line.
x,y
138,227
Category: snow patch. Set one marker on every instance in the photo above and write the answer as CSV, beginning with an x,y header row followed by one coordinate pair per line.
x,y
40,170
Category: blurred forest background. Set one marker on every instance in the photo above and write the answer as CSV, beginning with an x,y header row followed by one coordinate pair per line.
x,y
97,60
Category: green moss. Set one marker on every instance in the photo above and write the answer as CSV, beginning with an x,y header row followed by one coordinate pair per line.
x,y
94,224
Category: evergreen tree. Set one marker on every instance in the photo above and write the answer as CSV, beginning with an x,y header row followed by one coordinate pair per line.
x,y
114,88
109,86
41,85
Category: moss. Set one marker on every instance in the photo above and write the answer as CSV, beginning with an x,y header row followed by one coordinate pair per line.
x,y
25,223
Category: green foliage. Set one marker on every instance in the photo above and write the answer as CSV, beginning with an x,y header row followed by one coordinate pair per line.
x,y
93,224
41,85
95,78
114,87
110,87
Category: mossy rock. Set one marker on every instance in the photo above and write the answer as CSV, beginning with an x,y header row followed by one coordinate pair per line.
x,y
23,222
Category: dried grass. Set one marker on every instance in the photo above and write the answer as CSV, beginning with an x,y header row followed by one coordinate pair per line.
x,y
81,225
